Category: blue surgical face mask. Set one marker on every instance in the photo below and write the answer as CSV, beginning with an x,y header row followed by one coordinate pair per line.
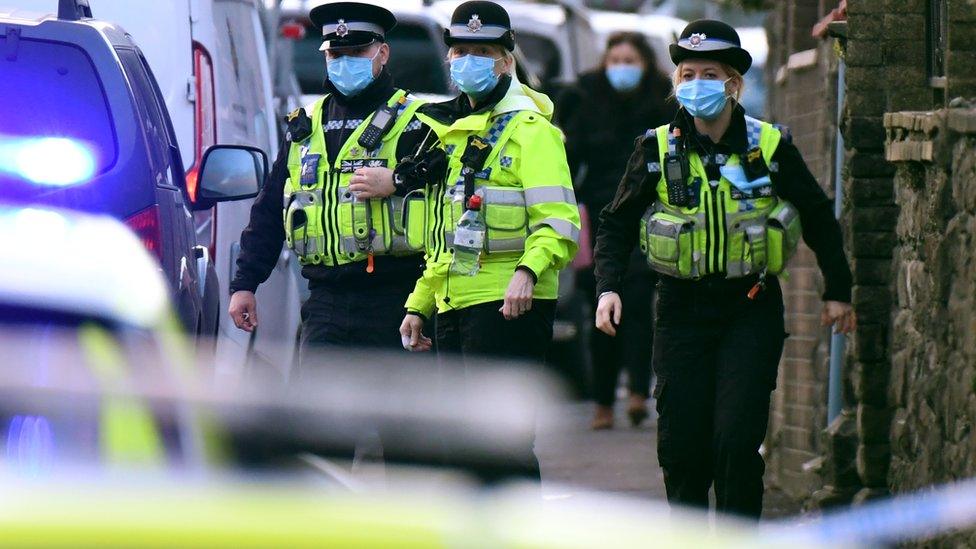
x,y
624,77
703,99
349,74
474,74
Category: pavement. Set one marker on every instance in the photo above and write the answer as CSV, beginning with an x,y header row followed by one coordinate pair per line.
x,y
623,460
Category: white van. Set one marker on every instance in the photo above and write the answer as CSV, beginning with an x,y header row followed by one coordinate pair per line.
x,y
210,59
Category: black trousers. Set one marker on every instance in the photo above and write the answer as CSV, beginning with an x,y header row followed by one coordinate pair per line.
x,y
369,317
480,331
716,357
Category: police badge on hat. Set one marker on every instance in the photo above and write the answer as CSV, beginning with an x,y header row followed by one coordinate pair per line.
x,y
474,25
696,39
342,29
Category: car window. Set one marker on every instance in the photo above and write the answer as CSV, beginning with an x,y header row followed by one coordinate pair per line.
x,y
417,61
542,55
52,90
153,119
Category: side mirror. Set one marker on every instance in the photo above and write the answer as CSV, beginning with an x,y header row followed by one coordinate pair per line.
x,y
231,172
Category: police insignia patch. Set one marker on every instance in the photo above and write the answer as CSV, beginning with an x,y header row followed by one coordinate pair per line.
x,y
474,25
696,39
342,29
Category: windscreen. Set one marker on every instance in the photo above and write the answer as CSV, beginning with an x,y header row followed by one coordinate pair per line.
x,y
56,128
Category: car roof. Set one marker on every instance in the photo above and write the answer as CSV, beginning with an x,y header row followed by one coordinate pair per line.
x,y
80,264
113,34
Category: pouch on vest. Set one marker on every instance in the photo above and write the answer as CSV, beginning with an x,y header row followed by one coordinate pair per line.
x,y
783,232
415,219
506,218
747,243
668,243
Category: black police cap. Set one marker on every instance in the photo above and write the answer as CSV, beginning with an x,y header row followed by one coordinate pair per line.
x,y
351,24
713,40
480,21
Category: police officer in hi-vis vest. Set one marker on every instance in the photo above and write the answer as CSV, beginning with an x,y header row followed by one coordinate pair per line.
x,y
331,194
502,218
716,201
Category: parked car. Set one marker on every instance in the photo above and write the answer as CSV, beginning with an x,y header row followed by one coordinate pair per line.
x,y
86,127
211,63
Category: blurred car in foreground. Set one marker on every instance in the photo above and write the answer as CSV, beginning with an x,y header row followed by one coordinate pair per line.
x,y
85,127
275,484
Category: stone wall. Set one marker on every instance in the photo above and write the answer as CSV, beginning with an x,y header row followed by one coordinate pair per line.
x,y
932,388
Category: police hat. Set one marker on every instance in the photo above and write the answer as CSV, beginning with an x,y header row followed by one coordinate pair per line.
x,y
480,21
351,24
714,40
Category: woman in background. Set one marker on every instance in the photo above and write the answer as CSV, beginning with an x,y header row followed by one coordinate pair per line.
x,y
601,116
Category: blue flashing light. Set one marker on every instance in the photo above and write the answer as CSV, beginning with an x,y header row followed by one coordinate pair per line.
x,y
49,161
30,444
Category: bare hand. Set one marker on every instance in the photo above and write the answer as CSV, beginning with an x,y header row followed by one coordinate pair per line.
x,y
840,315
411,333
372,183
243,310
518,297
608,312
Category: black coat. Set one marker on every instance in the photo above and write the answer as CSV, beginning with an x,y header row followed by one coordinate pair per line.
x,y
600,126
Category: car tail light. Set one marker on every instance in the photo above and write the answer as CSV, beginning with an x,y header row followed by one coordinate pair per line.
x,y
292,30
145,224
204,116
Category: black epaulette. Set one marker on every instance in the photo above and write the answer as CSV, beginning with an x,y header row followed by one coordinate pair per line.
x,y
299,126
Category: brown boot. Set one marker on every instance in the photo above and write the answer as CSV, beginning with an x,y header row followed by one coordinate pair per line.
x,y
603,418
637,409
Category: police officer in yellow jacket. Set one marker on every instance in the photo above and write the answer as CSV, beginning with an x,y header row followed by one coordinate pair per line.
x,y
331,195
717,201
503,220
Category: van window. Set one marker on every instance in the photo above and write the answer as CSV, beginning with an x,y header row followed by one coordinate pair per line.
x,y
51,89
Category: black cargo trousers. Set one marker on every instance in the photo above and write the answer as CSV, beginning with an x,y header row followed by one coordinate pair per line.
x,y
716,355
481,332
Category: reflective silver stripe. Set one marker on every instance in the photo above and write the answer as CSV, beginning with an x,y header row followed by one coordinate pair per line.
x,y
708,44
561,226
484,31
549,193
503,198
653,167
506,244
353,26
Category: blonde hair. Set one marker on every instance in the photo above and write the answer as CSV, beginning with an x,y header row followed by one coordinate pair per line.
x,y
734,76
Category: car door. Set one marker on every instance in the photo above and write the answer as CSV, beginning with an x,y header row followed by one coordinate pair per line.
x,y
173,215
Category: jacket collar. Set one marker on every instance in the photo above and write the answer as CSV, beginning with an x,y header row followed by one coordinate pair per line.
x,y
509,95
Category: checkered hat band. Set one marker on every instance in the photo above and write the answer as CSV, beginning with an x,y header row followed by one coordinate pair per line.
x,y
753,132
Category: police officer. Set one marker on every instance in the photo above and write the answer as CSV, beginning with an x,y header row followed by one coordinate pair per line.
x,y
493,288
342,210
717,201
